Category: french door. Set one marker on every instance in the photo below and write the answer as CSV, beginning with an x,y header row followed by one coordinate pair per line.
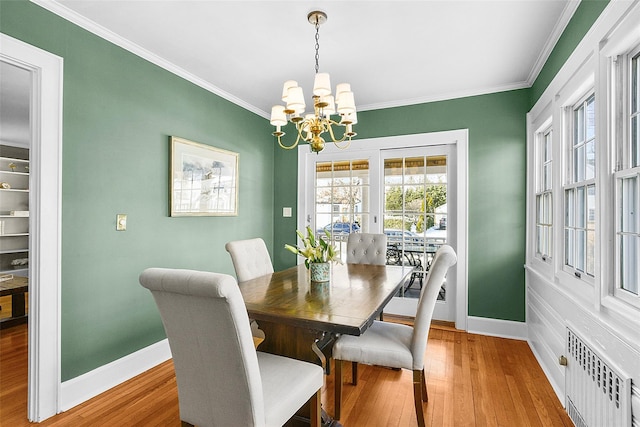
x,y
417,196
406,193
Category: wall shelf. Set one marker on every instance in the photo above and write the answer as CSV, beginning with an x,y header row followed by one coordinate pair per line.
x,y
14,229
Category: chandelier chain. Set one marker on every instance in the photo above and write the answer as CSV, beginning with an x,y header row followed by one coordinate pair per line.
x,y
317,45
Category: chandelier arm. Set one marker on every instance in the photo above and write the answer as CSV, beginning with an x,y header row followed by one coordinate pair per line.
x,y
289,147
300,127
333,138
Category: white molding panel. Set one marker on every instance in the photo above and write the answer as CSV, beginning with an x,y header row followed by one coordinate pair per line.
x,y
497,328
91,384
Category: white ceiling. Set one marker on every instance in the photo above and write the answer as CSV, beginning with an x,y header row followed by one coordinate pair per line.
x,y
392,52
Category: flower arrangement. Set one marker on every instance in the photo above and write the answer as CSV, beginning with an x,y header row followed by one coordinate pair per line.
x,y
316,250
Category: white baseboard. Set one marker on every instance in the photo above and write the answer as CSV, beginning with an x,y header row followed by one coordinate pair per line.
x,y
497,328
91,384
557,388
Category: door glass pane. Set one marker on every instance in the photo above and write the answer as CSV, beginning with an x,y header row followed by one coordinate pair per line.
x,y
342,200
415,214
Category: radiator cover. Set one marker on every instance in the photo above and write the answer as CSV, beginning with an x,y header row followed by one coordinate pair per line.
x,y
597,393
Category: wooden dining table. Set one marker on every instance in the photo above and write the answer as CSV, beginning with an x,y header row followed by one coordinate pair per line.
x,y
301,318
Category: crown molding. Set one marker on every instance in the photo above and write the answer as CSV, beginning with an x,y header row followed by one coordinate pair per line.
x,y
446,96
556,33
73,17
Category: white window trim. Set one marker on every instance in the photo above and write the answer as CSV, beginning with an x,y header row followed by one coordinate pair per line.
x,y
538,138
543,120
571,275
619,83
623,43
613,34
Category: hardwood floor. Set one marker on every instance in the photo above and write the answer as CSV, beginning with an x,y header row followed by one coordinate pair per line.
x,y
472,380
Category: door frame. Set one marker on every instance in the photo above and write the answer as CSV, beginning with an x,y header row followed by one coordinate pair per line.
x,y
460,139
45,183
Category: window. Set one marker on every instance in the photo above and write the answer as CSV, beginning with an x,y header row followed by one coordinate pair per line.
x,y
544,195
628,180
590,114
580,191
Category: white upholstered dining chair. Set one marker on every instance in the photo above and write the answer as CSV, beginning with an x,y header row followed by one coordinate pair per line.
x,y
222,380
394,345
367,248
250,259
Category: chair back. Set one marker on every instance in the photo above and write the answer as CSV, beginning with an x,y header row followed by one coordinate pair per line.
x,y
216,366
367,248
250,258
444,258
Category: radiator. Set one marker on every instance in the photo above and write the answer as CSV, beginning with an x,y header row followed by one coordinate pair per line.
x,y
597,394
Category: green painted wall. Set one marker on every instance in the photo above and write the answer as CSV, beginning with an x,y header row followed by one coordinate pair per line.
x,y
581,21
119,111
497,177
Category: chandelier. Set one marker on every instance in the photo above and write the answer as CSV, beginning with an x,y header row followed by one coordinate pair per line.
x,y
311,127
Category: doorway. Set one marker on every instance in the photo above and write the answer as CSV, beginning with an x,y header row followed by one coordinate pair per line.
x,y
412,188
45,143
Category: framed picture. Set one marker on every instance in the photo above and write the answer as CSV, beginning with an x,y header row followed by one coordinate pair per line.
x,y
204,179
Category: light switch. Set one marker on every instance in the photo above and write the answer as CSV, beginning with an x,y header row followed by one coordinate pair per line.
x,y
121,222
286,212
